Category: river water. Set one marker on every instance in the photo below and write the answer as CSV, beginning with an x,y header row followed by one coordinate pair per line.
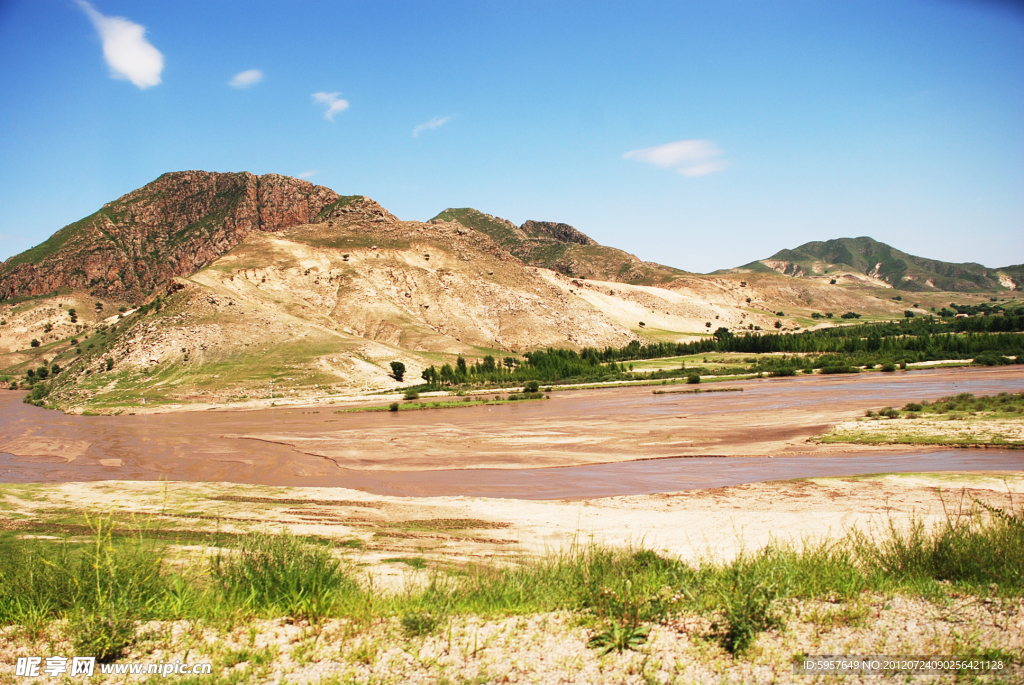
x,y
576,445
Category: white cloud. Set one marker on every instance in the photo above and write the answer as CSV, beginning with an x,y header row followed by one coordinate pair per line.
x,y
247,78
436,122
308,174
333,102
687,157
129,55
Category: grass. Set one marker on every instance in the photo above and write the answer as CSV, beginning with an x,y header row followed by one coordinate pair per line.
x,y
106,587
992,420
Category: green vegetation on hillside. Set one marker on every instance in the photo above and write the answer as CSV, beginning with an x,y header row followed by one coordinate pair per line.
x,y
903,271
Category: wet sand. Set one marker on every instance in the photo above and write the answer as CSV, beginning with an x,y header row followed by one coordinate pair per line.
x,y
428,452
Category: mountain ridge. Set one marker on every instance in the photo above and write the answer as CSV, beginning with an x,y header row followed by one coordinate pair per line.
x,y
170,227
877,260
562,248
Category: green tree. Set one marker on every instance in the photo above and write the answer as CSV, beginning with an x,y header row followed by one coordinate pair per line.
x,y
398,371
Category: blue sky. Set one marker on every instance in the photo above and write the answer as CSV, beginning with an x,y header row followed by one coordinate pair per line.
x,y
701,135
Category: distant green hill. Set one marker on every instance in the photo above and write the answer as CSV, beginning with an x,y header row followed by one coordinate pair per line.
x,y
901,270
562,248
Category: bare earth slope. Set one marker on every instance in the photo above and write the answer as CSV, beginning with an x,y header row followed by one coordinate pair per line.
x,y
171,227
249,280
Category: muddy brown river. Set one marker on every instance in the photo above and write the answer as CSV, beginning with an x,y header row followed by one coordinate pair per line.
x,y
587,443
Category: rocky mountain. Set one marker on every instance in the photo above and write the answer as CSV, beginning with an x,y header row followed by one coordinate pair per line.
x,y
171,227
877,260
562,248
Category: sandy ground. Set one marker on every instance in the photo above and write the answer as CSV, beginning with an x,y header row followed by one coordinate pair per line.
x,y
715,523
542,648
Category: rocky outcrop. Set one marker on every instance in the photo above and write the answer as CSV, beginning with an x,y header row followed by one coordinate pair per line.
x,y
171,227
563,233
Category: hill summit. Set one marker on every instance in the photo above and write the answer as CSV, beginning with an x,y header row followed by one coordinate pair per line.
x,y
876,260
562,248
171,227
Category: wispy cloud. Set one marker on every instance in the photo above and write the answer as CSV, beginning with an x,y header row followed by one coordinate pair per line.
x,y
129,55
436,122
686,157
246,79
333,102
308,174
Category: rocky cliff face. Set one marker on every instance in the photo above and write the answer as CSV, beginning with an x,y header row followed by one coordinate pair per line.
x,y
563,233
171,227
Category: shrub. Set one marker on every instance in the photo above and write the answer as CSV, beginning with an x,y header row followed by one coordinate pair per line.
x,y
749,594
839,369
393,406
850,315
889,413
34,343
271,574
784,371
398,371
418,623
693,379
106,634
42,372
888,367
991,359
531,387
110,363
38,392
908,314
912,406
411,394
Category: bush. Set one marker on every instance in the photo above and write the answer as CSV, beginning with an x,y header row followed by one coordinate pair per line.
x,y
749,595
888,367
693,379
398,371
411,394
393,406
839,369
991,359
850,315
889,413
110,363
34,343
105,635
784,371
274,574
912,406
531,387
